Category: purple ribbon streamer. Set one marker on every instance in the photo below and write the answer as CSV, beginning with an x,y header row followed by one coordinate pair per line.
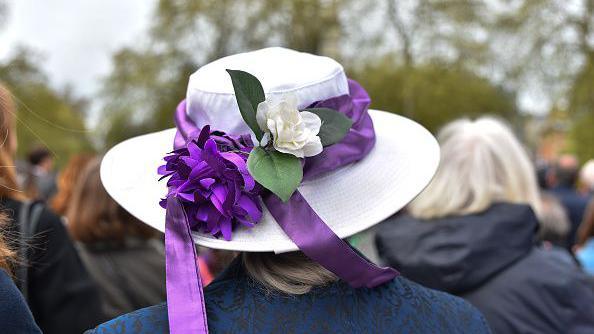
x,y
186,309
185,298
301,223
316,240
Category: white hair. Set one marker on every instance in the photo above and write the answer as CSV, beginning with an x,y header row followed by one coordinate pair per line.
x,y
587,174
482,162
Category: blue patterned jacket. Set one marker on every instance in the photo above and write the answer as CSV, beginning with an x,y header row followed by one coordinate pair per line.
x,y
237,304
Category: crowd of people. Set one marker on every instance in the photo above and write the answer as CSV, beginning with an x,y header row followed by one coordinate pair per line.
x,y
514,240
77,257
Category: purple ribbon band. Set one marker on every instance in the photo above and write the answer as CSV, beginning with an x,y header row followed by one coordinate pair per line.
x,y
186,309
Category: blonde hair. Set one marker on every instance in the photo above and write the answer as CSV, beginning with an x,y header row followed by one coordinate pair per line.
x,y
587,175
290,273
482,162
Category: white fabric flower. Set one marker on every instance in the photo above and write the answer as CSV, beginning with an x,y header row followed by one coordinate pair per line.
x,y
293,132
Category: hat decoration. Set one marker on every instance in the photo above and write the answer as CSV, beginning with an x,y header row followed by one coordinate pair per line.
x,y
218,182
215,174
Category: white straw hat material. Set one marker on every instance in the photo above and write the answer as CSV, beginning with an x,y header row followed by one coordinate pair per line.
x,y
349,200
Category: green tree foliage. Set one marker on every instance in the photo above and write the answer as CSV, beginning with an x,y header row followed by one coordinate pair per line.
x,y
582,136
434,94
581,106
141,93
147,82
548,45
44,116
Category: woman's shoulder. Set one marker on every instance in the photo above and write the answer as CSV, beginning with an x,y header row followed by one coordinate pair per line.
x,y
401,304
151,320
15,317
432,309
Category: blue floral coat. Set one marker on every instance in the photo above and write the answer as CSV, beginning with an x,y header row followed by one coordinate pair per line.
x,y
237,304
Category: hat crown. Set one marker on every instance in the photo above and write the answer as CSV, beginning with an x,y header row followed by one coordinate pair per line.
x,y
210,96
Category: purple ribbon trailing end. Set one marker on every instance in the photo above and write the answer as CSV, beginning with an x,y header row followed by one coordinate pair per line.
x,y
185,299
186,309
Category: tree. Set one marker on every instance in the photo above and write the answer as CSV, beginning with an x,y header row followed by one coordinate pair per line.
x,y
547,47
148,82
428,46
434,94
581,106
44,116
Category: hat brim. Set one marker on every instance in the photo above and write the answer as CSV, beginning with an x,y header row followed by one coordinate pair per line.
x,y
349,200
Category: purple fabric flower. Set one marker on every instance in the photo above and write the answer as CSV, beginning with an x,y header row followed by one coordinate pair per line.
x,y
210,178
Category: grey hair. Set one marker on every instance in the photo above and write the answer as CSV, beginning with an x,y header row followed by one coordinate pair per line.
x,y
290,273
482,162
554,222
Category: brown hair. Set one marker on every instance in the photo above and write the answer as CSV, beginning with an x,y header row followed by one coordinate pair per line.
x,y
94,216
8,181
67,179
7,255
586,230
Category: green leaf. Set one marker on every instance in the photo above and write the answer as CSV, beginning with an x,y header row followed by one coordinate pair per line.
x,y
334,125
278,172
249,93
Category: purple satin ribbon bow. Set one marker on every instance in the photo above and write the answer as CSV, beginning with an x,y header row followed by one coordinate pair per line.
x,y
185,298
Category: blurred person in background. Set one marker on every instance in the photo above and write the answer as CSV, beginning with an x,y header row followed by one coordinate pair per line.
x,y
41,179
212,262
15,316
472,233
53,280
554,223
585,243
563,178
124,256
587,178
67,179
543,170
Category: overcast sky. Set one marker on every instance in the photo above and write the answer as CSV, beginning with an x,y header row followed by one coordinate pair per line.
x,y
76,38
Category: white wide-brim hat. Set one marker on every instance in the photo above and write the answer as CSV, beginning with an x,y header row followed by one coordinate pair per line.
x,y
349,200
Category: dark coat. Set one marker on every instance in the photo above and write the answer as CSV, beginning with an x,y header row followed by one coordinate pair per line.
x,y
62,296
490,259
130,275
15,317
236,304
575,205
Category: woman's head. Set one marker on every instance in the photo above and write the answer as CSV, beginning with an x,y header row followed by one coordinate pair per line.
x,y
93,216
8,146
67,180
482,162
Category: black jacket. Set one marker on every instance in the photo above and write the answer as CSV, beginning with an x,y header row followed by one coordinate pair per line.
x,y
62,296
491,260
575,205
